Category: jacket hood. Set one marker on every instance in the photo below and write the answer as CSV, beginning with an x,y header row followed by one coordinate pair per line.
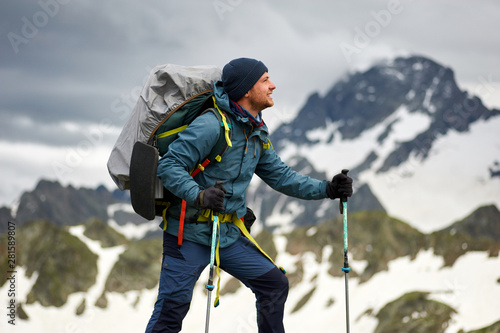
x,y
222,97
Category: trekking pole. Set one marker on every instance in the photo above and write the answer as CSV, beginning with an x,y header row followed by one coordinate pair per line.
x,y
346,269
210,285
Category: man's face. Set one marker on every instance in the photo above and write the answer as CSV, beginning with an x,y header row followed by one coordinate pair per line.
x,y
260,94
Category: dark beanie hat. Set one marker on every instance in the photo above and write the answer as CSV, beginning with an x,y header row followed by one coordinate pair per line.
x,y
240,75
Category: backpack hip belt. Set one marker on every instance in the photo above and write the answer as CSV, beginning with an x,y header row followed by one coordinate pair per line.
x,y
231,218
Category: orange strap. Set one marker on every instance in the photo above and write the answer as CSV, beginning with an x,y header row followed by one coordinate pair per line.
x,y
181,222
200,167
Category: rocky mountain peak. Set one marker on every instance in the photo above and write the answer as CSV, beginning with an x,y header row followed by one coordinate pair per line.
x,y
364,99
63,205
483,222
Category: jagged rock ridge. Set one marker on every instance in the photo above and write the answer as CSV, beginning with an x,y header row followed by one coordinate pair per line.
x,y
363,100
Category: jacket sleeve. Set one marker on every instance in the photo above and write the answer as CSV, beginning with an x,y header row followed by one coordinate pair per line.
x,y
277,174
192,145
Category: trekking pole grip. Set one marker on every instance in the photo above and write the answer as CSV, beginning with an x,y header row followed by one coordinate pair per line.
x,y
219,185
344,197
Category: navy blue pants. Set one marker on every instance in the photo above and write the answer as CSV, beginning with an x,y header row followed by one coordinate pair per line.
x,y
182,266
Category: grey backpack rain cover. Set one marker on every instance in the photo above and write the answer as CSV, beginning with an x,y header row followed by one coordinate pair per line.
x,y
167,88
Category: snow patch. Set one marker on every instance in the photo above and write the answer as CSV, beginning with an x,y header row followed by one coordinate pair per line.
x,y
105,262
430,92
410,95
418,66
311,231
321,212
134,231
393,72
283,220
457,167
129,229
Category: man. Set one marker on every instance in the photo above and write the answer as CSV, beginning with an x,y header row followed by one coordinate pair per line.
x,y
244,91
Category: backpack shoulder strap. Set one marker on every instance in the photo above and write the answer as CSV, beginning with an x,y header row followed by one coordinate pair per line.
x,y
224,140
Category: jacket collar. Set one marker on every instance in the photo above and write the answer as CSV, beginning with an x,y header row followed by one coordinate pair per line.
x,y
243,113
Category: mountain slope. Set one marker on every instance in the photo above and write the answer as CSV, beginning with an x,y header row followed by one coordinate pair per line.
x,y
414,312
389,259
477,232
483,222
63,264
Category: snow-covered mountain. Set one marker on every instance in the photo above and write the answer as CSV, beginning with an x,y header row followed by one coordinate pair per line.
x,y
90,278
424,224
428,151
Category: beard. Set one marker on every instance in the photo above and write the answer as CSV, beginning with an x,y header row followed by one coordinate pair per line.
x,y
261,103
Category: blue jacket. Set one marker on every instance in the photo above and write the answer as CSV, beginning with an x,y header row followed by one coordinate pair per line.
x,y
246,157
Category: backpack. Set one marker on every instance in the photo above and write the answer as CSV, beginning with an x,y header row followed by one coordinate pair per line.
x,y
172,97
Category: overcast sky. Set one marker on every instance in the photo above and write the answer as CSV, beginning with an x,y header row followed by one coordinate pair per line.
x,y
71,70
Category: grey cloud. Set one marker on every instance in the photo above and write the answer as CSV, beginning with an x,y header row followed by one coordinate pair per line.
x,y
22,129
87,62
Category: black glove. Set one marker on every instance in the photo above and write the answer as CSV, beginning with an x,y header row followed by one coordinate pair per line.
x,y
341,185
211,198
249,219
